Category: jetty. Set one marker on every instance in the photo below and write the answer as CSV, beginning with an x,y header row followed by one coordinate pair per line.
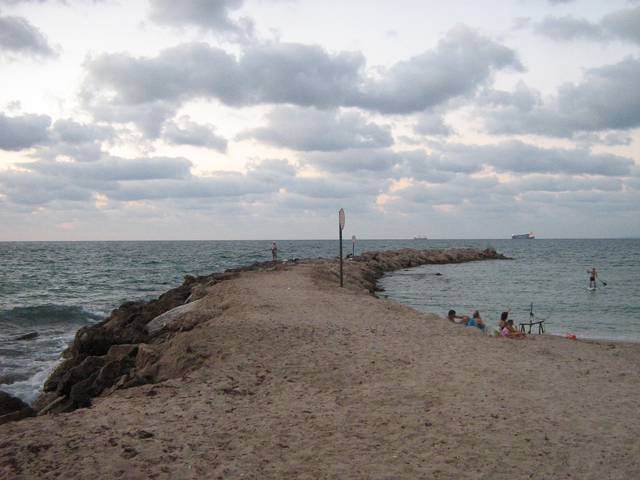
x,y
273,371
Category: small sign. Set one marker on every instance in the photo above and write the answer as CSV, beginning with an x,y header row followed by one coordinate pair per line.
x,y
353,239
341,218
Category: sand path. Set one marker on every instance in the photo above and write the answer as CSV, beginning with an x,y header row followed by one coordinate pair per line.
x,y
302,379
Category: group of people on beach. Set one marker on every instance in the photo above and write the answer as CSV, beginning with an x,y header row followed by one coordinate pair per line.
x,y
473,321
505,328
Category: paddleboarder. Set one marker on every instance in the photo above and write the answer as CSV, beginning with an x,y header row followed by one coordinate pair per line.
x,y
593,276
274,251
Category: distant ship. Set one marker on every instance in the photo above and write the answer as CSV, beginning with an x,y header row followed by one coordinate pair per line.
x,y
420,237
523,236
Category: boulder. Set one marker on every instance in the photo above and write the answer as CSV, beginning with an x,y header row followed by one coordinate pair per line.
x,y
166,319
146,362
94,341
120,352
110,373
10,404
27,336
12,408
82,392
44,399
51,384
86,369
60,405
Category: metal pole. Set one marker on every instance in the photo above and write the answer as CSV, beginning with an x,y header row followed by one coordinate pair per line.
x,y
341,281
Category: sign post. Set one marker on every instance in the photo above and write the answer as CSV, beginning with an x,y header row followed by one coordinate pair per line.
x,y
340,228
353,245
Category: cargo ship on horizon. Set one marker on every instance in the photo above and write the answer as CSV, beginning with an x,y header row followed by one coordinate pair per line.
x,y
523,236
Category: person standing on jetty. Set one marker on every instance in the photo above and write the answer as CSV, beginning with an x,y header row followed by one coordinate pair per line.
x,y
593,275
274,251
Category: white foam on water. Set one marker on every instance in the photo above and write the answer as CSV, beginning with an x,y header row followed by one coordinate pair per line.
x,y
29,389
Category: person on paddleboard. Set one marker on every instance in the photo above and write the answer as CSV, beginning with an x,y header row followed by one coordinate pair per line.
x,y
593,275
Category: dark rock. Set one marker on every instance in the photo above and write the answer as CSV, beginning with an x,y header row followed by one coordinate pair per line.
x,y
120,352
51,384
15,416
13,409
27,336
44,399
82,392
87,368
110,373
60,405
10,404
94,341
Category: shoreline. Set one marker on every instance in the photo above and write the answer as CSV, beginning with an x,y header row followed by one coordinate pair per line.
x,y
276,372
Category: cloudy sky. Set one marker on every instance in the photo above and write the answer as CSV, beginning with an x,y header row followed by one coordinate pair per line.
x,y
259,119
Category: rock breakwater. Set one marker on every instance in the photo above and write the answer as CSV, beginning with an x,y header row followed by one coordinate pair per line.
x,y
139,343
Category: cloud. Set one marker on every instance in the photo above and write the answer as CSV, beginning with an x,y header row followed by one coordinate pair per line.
x,y
123,179
19,38
149,90
310,129
559,2
187,132
69,131
110,169
79,141
432,123
358,161
462,61
32,189
622,25
521,158
22,132
64,2
448,159
568,28
606,138
562,183
608,98
204,14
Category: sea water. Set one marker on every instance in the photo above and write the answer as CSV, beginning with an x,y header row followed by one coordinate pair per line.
x,y
546,280
54,288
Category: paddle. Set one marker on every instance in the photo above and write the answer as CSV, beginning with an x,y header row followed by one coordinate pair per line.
x,y
603,282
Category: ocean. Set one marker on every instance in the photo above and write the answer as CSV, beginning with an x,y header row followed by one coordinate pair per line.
x,y
54,288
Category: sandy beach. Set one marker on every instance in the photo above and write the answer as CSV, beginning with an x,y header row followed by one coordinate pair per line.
x,y
279,373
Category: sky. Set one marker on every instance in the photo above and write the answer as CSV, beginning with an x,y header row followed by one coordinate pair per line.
x,y
260,119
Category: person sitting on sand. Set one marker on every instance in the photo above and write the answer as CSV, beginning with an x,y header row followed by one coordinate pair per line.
x,y
476,321
452,317
508,330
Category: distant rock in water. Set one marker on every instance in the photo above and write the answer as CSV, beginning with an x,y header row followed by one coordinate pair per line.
x,y
27,336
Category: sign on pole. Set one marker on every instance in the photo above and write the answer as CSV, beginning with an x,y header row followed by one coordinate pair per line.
x,y
340,228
